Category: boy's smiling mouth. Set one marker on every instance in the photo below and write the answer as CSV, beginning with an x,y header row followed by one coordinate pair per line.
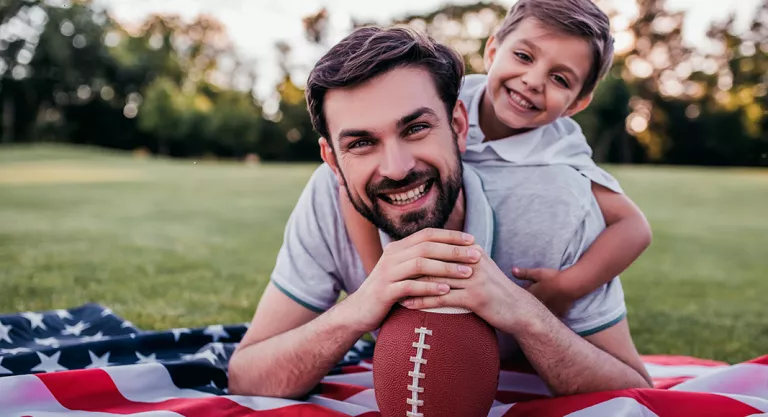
x,y
523,102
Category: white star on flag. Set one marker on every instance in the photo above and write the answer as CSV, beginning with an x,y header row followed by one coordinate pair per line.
x,y
178,332
35,319
106,312
4,330
49,341
98,361
64,314
218,348
207,354
48,363
146,359
14,351
76,329
216,331
2,369
95,338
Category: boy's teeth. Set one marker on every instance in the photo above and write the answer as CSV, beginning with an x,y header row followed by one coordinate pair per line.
x,y
408,196
520,100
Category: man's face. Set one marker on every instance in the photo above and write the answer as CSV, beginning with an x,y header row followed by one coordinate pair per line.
x,y
535,75
396,150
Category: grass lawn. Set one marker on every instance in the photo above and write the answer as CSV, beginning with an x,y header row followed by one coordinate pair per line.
x,y
178,243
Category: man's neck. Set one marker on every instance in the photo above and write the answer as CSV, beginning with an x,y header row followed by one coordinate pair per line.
x,y
492,127
456,218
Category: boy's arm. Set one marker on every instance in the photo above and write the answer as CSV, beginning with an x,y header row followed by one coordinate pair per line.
x,y
363,234
626,236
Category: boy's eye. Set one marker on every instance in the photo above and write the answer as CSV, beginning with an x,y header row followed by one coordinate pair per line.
x,y
523,56
561,80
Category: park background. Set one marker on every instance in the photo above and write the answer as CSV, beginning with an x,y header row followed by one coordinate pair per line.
x,y
151,152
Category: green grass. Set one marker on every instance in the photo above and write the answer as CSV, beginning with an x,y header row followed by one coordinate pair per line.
x,y
174,243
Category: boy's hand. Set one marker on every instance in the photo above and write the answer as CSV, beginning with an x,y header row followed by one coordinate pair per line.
x,y
547,285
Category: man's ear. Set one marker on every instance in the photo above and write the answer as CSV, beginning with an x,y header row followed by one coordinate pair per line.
x,y
460,124
489,55
579,105
329,157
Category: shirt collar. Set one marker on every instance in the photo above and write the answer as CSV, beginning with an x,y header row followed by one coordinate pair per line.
x,y
478,214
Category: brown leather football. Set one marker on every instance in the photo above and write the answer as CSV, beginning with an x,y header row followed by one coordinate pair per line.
x,y
438,362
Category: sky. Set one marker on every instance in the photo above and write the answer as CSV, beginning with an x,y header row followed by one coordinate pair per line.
x,y
255,25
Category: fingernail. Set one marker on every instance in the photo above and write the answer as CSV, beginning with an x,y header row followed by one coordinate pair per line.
x,y
443,288
467,237
408,303
473,254
464,270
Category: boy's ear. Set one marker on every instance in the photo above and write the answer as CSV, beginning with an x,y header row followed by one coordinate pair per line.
x,y
490,52
579,105
329,157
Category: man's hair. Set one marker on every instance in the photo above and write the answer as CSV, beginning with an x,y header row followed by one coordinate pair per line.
x,y
371,51
580,18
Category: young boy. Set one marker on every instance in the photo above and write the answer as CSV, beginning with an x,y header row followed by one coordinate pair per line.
x,y
542,65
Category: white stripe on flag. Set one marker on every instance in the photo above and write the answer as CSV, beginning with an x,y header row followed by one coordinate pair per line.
x,y
363,379
670,371
149,383
744,379
621,406
520,382
26,395
345,406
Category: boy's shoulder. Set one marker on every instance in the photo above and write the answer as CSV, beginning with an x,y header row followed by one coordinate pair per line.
x,y
470,85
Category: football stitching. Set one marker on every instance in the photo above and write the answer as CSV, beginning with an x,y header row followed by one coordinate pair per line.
x,y
417,373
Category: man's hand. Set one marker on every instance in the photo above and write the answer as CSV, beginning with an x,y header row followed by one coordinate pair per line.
x,y
487,292
429,252
550,286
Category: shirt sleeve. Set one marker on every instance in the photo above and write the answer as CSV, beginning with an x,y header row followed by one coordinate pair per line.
x,y
306,269
603,307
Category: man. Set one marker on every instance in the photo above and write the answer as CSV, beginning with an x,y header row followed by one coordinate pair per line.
x,y
386,102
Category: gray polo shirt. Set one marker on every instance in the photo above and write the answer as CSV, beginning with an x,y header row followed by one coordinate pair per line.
x,y
535,224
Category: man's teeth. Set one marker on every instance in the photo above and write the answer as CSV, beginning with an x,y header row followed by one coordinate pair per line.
x,y
409,196
517,98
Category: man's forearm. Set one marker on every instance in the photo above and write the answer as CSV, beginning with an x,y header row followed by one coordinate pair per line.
x,y
290,364
568,363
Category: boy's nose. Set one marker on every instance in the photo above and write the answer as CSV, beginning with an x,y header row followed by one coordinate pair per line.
x,y
534,81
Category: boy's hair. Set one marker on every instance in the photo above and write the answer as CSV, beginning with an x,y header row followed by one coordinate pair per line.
x,y
580,18
371,51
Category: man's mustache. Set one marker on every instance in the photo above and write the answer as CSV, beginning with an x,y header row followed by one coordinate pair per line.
x,y
387,184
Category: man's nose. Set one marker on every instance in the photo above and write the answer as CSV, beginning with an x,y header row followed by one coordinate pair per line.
x,y
398,161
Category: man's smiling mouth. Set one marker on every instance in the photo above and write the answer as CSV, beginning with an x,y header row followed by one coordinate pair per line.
x,y
407,196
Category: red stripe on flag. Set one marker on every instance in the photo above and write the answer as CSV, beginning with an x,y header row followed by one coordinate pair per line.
x,y
508,397
353,369
93,390
662,402
667,383
762,360
339,391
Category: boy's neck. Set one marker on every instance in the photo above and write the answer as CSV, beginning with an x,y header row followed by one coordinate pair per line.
x,y
492,127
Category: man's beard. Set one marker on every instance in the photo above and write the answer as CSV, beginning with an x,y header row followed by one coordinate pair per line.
x,y
447,189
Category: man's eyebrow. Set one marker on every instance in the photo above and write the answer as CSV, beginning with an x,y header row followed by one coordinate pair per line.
x,y
354,133
408,118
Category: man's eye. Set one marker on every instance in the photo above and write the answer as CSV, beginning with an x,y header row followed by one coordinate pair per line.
x,y
416,129
358,144
523,56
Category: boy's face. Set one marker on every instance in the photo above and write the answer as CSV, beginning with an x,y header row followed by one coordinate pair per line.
x,y
396,150
535,75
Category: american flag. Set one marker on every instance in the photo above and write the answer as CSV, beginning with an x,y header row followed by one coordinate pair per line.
x,y
86,361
